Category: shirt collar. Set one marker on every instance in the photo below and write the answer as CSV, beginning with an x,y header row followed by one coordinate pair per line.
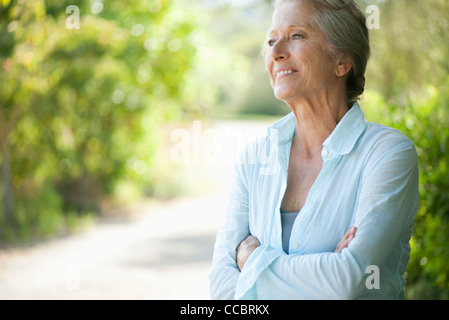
x,y
344,137
341,141
283,130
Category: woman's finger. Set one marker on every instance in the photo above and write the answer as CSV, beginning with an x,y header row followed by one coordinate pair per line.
x,y
347,238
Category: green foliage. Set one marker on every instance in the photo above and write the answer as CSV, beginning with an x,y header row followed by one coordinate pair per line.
x,y
235,38
81,109
37,215
408,51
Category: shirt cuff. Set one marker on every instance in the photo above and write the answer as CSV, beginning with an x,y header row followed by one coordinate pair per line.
x,y
258,261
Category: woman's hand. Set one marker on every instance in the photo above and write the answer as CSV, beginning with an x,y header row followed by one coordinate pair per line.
x,y
350,234
245,249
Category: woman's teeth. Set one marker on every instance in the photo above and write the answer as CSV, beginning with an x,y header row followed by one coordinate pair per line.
x,y
283,72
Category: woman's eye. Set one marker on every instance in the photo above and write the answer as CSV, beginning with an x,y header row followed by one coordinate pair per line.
x,y
271,42
297,37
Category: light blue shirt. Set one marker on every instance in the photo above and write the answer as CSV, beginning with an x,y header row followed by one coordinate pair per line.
x,y
369,179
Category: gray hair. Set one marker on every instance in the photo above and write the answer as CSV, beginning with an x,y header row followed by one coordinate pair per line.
x,y
344,26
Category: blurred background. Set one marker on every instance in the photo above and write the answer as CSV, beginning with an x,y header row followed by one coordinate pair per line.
x,y
113,120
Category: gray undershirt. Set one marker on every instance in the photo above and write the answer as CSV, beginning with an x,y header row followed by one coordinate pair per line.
x,y
287,220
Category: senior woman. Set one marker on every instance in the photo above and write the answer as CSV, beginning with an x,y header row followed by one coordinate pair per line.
x,y
323,206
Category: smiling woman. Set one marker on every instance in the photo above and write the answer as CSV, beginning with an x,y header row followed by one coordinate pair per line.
x,y
340,195
298,61
344,31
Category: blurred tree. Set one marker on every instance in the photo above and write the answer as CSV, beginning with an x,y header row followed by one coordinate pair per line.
x,y
18,79
81,109
239,29
408,49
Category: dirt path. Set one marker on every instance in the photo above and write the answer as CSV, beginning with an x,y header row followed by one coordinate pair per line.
x,y
164,252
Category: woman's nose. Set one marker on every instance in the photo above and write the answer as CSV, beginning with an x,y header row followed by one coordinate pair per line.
x,y
279,51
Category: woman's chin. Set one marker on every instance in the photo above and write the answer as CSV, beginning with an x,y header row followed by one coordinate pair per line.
x,y
284,95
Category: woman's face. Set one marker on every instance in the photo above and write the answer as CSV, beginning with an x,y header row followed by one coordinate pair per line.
x,y
298,61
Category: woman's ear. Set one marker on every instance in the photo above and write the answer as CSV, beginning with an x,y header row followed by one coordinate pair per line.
x,y
344,65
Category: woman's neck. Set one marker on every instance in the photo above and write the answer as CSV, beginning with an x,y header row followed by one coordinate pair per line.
x,y
316,118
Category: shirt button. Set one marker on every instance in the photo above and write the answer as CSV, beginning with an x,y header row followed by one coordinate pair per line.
x,y
295,245
324,153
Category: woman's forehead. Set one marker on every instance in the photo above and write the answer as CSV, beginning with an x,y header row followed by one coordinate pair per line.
x,y
293,14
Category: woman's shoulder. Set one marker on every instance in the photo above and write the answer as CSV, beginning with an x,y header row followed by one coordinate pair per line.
x,y
384,144
379,134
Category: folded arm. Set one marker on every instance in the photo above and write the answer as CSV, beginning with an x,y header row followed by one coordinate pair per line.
x,y
251,243
225,272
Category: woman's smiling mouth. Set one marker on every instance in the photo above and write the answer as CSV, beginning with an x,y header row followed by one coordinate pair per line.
x,y
284,73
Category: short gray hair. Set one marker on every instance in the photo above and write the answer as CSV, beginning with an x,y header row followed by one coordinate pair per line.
x,y
344,26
